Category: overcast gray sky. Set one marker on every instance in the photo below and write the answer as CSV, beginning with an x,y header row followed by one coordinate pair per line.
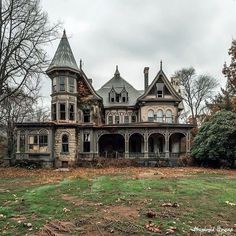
x,y
138,33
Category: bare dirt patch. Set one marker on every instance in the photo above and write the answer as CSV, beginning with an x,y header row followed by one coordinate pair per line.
x,y
45,176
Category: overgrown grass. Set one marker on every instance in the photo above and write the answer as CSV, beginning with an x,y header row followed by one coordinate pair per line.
x,y
201,200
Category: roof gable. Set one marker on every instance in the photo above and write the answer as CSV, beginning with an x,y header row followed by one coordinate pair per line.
x,y
151,92
118,85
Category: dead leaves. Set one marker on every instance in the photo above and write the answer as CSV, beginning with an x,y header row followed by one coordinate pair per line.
x,y
169,204
57,227
150,226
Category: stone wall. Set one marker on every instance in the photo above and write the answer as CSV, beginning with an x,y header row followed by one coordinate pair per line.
x,y
63,159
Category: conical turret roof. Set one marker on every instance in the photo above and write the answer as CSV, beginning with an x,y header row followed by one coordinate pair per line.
x,y
63,57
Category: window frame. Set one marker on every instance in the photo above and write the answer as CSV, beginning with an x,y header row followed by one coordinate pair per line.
x,y
62,111
62,85
71,85
65,143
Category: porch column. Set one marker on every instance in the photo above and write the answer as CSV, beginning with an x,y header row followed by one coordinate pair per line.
x,y
188,141
18,141
145,145
126,145
167,144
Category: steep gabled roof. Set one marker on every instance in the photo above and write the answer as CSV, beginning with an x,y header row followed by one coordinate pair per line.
x,y
118,84
95,94
63,57
161,75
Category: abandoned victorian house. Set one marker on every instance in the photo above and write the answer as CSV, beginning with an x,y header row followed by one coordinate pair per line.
x,y
115,121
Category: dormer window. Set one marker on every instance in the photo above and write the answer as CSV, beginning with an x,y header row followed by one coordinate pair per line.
x,y
124,96
112,96
160,90
115,97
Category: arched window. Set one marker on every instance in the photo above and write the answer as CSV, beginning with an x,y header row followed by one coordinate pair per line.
x,y
150,115
159,116
169,118
65,143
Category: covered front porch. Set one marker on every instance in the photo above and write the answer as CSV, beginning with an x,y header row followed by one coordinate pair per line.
x,y
145,143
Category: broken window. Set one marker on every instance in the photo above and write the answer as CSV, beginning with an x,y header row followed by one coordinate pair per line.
x,y
86,142
71,111
33,142
71,85
62,83
62,111
86,113
65,143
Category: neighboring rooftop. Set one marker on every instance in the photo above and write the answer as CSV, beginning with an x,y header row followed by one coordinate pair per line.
x,y
118,84
64,57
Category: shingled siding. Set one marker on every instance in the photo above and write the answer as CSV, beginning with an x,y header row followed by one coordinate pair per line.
x,y
62,159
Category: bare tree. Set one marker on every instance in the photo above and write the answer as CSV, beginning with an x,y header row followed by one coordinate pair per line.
x,y
17,109
196,91
24,33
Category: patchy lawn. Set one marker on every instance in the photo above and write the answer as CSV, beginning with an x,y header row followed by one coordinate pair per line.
x,y
113,201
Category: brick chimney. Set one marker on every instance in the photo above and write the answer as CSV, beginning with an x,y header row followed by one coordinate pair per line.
x,y
146,71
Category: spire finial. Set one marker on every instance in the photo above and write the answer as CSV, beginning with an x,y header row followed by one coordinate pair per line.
x,y
64,34
161,65
117,73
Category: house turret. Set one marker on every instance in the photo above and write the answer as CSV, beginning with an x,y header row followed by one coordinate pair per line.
x,y
63,72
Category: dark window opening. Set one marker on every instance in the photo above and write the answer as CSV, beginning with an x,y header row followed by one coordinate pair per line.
x,y
117,119
159,94
62,84
86,142
117,97
43,140
86,115
72,111
65,143
112,99
54,111
160,89
133,119
62,111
